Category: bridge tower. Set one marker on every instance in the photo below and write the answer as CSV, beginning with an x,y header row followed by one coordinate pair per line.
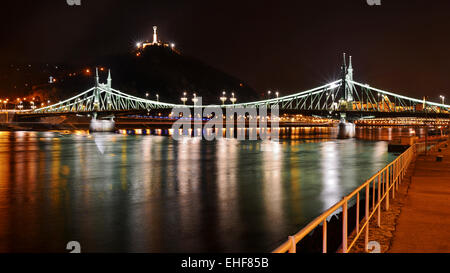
x,y
108,87
96,94
347,75
350,69
102,125
343,88
346,129
109,80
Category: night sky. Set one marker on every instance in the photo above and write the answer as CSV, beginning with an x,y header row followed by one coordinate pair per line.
x,y
401,46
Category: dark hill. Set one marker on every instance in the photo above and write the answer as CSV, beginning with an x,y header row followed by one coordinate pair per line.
x,y
163,71
160,70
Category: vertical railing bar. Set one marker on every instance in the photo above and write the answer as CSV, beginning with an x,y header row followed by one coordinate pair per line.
x,y
403,166
392,183
373,194
344,225
324,237
395,177
357,213
293,248
386,182
379,203
366,236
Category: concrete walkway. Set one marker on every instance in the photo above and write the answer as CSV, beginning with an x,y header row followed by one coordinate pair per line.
x,y
424,222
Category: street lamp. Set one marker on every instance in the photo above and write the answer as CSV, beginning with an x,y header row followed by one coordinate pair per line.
x,y
268,93
442,98
277,94
223,98
184,98
195,99
146,95
157,97
233,98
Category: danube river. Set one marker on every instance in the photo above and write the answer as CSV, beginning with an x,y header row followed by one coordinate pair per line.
x,y
135,193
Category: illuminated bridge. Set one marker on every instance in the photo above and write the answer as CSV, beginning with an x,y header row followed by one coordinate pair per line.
x,y
343,98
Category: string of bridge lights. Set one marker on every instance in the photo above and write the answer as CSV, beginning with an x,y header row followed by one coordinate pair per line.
x,y
223,98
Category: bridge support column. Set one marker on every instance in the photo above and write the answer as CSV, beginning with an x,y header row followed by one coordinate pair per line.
x,y
102,125
346,129
6,117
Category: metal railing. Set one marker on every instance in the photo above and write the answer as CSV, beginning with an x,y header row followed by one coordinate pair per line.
x,y
384,184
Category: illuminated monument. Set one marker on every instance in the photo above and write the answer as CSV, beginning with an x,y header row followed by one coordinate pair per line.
x,y
155,42
155,35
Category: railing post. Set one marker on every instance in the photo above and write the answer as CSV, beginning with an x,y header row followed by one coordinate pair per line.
x,y
404,167
373,193
387,190
324,237
366,236
293,248
391,172
396,175
344,226
379,202
357,213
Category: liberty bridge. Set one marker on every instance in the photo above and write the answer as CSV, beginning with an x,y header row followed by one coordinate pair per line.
x,y
343,99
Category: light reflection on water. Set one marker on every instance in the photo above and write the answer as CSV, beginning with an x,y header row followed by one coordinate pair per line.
x,y
123,193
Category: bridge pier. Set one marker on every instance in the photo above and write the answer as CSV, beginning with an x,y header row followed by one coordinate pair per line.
x,y
102,125
346,129
7,117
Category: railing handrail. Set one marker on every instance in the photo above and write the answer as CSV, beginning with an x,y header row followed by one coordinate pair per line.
x,y
392,172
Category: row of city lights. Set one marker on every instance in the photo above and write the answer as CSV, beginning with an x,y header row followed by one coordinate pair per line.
x,y
148,94
222,98
86,72
440,96
269,93
143,45
19,103
184,98
403,121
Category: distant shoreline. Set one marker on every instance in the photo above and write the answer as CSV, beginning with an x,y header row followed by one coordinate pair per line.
x,y
122,125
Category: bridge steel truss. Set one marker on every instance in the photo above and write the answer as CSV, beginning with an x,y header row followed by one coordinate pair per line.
x,y
344,95
103,99
364,99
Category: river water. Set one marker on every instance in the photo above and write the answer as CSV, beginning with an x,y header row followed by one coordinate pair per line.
x,y
135,193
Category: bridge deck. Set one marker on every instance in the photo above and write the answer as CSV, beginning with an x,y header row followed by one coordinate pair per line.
x,y
423,223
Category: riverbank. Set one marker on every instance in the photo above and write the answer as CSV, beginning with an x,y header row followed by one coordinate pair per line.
x,y
419,213
422,224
